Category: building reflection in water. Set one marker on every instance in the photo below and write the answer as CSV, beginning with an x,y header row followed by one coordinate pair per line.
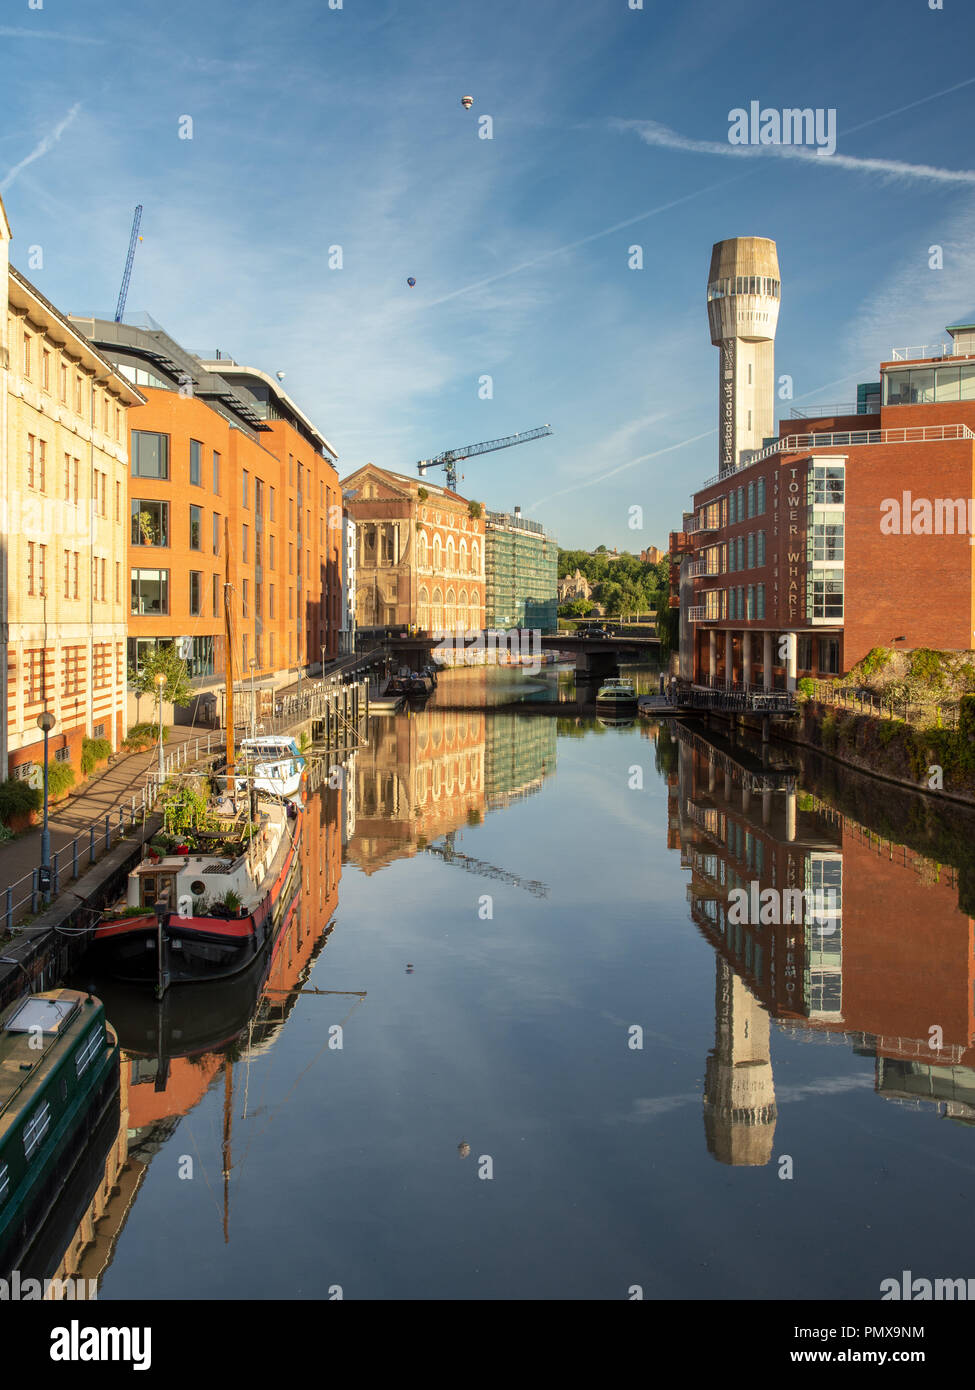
x,y
423,778
890,959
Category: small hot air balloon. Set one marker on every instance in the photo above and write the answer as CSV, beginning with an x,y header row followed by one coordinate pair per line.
x,y
411,282
467,102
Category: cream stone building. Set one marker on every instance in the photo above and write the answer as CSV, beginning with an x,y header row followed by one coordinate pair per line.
x,y
419,553
64,499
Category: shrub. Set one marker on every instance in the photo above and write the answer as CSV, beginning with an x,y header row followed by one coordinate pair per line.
x,y
94,751
805,688
60,777
18,798
966,717
474,510
142,736
927,667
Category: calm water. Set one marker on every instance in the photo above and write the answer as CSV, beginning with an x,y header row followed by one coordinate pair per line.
x,y
504,900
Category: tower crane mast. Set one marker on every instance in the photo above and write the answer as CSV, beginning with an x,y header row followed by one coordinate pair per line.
x,y
449,459
127,275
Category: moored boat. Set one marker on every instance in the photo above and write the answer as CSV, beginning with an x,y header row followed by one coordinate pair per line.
x,y
617,694
274,764
59,1074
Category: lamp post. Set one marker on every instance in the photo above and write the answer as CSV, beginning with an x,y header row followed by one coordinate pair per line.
x,y
253,665
160,686
45,722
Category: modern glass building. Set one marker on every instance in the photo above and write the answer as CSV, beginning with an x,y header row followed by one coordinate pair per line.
x,y
521,579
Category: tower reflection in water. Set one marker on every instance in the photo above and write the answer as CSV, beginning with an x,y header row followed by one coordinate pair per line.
x,y
886,969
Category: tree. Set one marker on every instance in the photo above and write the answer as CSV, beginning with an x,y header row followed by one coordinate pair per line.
x,y
162,661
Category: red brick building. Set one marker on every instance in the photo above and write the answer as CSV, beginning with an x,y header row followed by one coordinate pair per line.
x,y
800,556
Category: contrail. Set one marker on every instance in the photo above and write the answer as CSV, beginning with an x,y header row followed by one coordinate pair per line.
x,y
620,467
43,146
583,241
661,136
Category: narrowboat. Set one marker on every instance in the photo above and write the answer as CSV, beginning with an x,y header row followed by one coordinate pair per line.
x,y
220,904
59,1080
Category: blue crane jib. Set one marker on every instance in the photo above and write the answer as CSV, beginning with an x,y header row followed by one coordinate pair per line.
x,y
127,275
449,459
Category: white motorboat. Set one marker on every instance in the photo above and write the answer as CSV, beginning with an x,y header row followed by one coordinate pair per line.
x,y
271,763
617,694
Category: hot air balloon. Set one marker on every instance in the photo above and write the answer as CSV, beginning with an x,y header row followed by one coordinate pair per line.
x,y
467,102
411,282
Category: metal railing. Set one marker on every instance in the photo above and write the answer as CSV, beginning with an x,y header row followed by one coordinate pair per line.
x,y
945,714
817,412
798,443
922,351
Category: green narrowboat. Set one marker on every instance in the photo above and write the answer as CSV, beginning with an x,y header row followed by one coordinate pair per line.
x,y
59,1072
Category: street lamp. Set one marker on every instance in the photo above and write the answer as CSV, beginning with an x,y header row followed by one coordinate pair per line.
x,y
160,681
46,722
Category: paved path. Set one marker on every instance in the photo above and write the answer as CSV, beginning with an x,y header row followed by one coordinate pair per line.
x,y
114,786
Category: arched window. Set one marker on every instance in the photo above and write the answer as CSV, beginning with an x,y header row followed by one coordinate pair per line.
x,y
437,555
451,608
462,611
475,558
421,549
436,612
464,558
451,556
423,608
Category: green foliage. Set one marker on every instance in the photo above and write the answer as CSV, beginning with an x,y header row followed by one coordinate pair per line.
x,y
18,798
304,742
966,718
186,808
805,688
232,901
93,752
828,734
422,493
871,665
60,776
142,736
473,816
927,667
474,510
163,661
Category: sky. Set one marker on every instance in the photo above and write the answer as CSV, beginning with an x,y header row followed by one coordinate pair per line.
x,y
315,127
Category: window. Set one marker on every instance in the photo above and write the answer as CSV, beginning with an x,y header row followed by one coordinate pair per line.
x,y
150,591
731,556
271,507
101,593
244,478
804,646
196,463
291,514
270,551
741,504
826,484
731,508
760,497
258,602
118,581
36,1128
27,354
291,468
751,550
34,686
63,382
67,574
216,596
77,395
760,549
196,528
829,655
118,501
825,593
67,477
196,592
291,567
77,465
88,1050
42,570
149,522
741,601
31,562
751,486
258,497
243,544
760,601
270,601
46,370
245,597
150,454
36,463
216,534
732,613
216,471
74,679
740,547
750,608
824,540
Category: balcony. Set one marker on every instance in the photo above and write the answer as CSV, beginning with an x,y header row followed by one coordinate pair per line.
x,y
698,614
694,527
923,352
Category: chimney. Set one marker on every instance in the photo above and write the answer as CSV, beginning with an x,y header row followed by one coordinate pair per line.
x,y
517,511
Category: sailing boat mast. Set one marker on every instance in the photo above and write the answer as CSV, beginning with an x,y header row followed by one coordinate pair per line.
x,y
229,657
228,1107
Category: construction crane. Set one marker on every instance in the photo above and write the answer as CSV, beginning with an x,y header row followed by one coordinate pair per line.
x,y
449,855
133,240
451,457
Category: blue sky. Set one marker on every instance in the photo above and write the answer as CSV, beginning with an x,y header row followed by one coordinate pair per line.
x,y
315,127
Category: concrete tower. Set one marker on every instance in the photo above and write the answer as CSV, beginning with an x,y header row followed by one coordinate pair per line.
x,y
739,1101
743,310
